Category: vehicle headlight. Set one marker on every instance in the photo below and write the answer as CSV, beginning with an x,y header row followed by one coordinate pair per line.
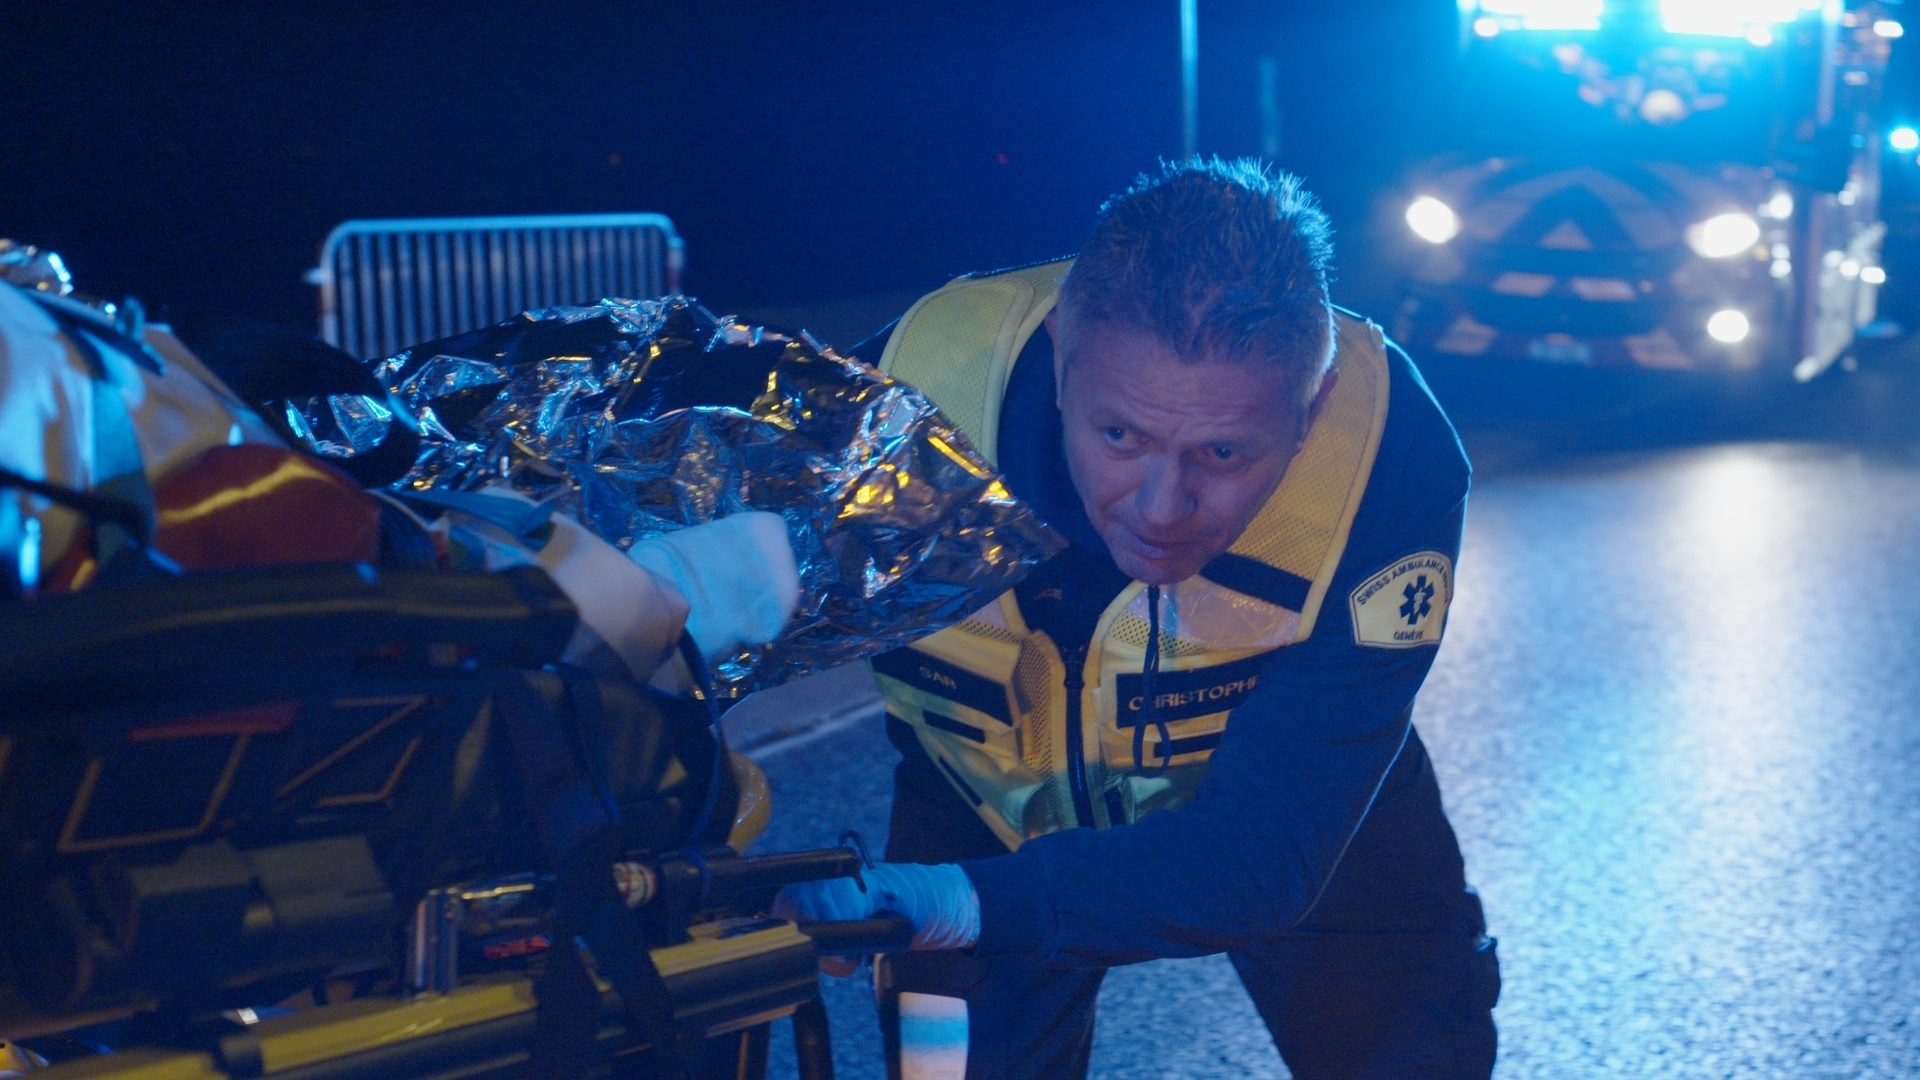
x,y
1723,235
1729,326
1432,220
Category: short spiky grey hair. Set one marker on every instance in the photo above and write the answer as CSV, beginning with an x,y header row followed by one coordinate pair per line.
x,y
1218,260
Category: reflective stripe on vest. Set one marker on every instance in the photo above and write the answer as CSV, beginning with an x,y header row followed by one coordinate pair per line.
x,y
987,698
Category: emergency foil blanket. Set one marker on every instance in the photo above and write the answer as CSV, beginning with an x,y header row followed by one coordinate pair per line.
x,y
29,267
644,416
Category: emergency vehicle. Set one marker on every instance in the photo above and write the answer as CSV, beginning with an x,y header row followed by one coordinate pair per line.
x,y
1669,184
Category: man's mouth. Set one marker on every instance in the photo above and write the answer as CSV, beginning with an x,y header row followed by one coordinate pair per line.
x,y
1160,551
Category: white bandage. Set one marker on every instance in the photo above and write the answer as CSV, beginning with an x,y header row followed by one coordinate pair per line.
x,y
637,616
737,574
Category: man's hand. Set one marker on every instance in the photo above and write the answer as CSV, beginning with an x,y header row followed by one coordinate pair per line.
x,y
938,900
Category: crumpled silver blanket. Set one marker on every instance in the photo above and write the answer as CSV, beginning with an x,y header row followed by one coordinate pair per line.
x,y
644,416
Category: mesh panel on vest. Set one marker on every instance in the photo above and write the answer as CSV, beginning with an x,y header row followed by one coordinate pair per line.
x,y
946,366
1132,630
1032,686
1318,483
988,631
1034,681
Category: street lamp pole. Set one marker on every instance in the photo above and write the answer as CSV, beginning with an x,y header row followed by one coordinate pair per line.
x,y
1189,77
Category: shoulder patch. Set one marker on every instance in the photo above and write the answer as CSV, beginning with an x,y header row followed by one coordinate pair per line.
x,y
1404,605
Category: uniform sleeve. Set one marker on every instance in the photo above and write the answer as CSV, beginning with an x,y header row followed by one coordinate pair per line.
x,y
1288,786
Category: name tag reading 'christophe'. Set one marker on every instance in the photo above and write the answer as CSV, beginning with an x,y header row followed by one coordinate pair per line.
x,y
1404,605
1183,695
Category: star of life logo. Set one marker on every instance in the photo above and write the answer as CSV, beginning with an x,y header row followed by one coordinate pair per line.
x,y
1404,605
1419,603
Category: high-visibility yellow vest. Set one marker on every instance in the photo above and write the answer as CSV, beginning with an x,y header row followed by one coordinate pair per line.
x,y
997,705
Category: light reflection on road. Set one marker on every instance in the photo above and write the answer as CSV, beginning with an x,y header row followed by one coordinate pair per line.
x,y
1674,720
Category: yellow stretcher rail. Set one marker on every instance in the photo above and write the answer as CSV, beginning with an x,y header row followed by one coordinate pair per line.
x,y
732,974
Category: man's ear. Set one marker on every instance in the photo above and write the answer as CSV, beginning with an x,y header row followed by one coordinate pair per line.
x,y
1059,359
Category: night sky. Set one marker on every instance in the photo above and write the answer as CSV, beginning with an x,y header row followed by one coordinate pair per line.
x,y
197,154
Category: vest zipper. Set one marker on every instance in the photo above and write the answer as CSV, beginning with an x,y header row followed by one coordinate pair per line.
x,y
1075,660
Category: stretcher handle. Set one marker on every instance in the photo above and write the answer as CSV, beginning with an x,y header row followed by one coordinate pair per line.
x,y
886,932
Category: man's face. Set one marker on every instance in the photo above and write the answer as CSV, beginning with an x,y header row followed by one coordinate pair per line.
x,y
1172,459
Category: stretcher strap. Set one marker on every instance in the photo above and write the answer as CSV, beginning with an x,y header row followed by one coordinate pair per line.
x,y
577,818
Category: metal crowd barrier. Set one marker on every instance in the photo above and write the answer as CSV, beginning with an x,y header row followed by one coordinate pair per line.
x,y
388,284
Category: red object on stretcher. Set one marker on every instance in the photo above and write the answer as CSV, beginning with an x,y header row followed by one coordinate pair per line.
x,y
257,505
247,505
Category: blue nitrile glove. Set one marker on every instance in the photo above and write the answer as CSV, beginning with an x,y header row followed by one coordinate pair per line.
x,y
938,900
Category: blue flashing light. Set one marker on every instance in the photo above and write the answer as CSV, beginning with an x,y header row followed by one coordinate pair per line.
x,y
1749,19
1728,18
1904,139
1547,14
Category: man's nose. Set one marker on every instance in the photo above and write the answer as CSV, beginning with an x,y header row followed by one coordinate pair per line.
x,y
1163,499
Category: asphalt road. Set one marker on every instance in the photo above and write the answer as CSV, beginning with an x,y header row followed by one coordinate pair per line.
x,y
1677,722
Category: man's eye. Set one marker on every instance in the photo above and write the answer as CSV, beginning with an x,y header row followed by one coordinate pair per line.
x,y
1223,453
1115,434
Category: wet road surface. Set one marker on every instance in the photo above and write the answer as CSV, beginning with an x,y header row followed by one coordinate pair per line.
x,y
1677,723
